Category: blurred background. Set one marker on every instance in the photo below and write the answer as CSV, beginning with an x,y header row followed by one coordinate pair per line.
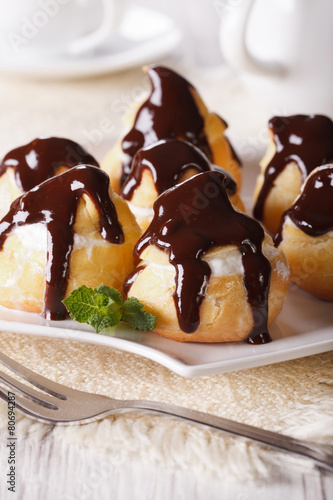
x,y
279,64
39,98
199,23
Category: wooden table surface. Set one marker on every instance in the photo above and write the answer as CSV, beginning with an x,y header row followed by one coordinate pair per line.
x,y
52,471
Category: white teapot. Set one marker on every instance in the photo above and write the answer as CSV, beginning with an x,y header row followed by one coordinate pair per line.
x,y
283,50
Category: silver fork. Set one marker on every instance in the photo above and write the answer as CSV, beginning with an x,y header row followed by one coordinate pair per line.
x,y
63,405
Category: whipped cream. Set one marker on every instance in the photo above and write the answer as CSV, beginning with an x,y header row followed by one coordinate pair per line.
x,y
33,238
227,263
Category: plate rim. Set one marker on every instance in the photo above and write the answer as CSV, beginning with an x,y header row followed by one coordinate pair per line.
x,y
283,352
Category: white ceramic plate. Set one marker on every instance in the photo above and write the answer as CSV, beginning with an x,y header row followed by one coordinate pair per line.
x,y
145,36
304,327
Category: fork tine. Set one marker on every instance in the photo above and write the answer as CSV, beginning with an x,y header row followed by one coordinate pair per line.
x,y
3,395
39,381
30,408
28,392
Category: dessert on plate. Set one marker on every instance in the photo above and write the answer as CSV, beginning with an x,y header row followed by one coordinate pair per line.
x,y
207,271
162,165
306,234
68,231
27,166
173,110
298,144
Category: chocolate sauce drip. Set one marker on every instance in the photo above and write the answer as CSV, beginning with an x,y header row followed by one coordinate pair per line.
x,y
54,203
312,212
39,160
189,220
169,112
131,278
167,160
305,139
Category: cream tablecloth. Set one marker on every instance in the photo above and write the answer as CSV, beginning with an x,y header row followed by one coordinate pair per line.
x,y
294,397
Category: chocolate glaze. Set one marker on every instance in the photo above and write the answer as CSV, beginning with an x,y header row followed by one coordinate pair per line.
x,y
234,155
131,278
169,112
54,203
39,160
167,160
305,139
189,220
312,211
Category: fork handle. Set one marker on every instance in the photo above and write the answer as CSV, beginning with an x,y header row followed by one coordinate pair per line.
x,y
322,454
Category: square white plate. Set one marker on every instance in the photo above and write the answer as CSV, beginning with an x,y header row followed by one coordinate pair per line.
x,y
304,327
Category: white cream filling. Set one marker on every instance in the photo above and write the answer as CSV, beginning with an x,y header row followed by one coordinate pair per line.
x,y
141,211
226,263
88,243
33,238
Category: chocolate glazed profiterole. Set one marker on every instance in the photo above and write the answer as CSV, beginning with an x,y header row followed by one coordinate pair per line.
x,y
162,165
306,234
39,160
187,231
27,166
168,160
312,211
54,203
173,109
303,140
170,111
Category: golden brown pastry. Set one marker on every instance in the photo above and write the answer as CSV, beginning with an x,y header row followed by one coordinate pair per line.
x,y
27,166
70,230
208,272
298,144
173,109
306,234
162,165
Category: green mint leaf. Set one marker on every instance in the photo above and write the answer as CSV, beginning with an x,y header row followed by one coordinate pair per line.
x,y
136,316
99,307
103,308
110,292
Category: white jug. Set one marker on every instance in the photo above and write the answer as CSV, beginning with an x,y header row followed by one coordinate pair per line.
x,y
283,50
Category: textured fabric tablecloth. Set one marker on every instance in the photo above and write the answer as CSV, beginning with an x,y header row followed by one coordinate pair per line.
x,y
294,397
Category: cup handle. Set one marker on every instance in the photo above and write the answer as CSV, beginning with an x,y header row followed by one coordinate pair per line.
x,y
112,16
232,37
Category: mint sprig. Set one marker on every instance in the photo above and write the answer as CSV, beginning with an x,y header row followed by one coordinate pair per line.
x,y
103,307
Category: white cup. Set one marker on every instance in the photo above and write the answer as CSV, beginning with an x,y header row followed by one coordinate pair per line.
x,y
34,28
282,50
